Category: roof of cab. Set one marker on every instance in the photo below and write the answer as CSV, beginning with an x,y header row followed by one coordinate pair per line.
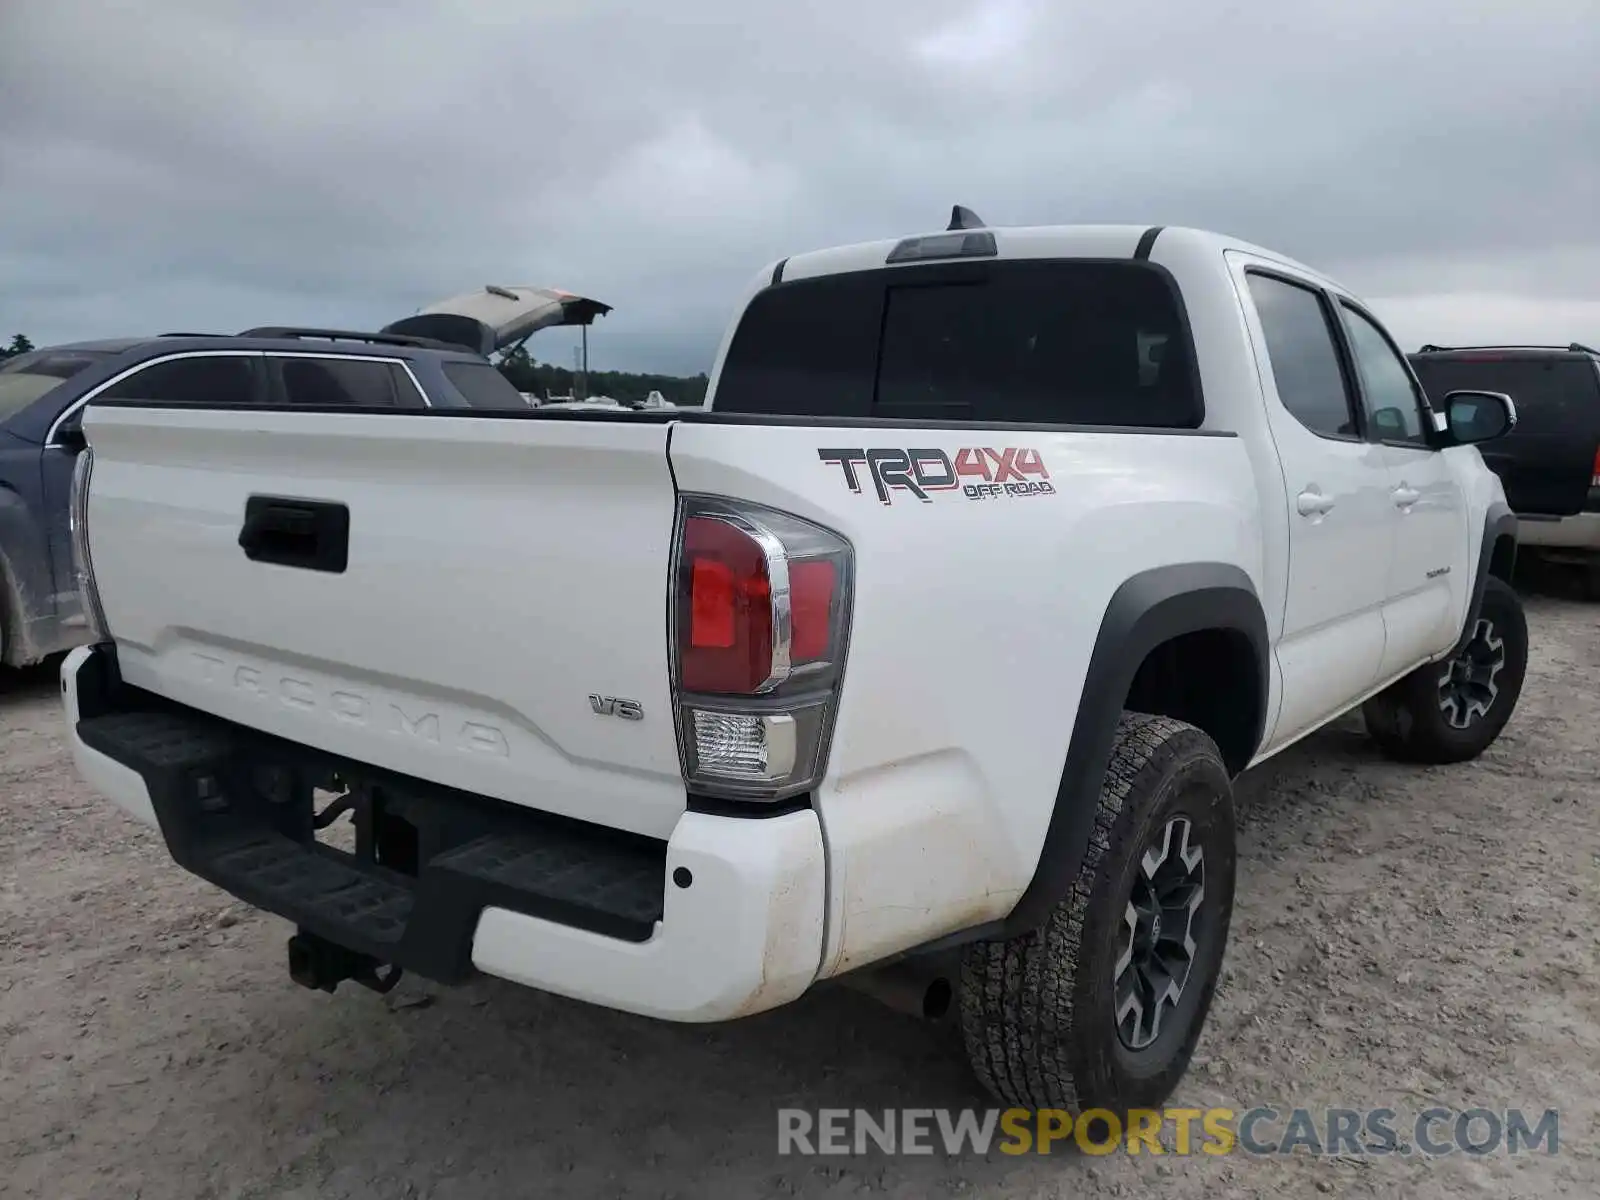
x,y
1044,241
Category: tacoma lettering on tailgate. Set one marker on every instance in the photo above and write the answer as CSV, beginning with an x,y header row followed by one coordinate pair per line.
x,y
342,704
976,472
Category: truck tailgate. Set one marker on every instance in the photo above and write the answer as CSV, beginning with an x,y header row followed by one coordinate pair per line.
x,y
499,571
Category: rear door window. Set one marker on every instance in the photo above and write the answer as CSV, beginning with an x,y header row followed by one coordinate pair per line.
x,y
345,383
1039,342
1303,355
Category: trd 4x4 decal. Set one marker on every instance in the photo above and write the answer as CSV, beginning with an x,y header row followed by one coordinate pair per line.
x,y
977,472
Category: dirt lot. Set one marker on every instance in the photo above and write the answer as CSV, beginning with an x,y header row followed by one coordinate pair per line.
x,y
1403,937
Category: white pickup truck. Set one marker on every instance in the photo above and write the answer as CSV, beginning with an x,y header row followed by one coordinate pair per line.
x,y
924,656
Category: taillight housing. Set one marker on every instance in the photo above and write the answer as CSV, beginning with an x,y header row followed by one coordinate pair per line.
x,y
83,568
760,625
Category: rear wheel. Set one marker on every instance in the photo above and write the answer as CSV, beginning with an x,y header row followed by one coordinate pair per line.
x,y
1452,711
1102,1007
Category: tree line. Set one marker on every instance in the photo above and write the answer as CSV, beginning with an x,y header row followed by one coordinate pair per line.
x,y
544,379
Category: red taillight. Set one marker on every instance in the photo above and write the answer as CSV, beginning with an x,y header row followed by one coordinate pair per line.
x,y
1595,482
760,617
729,647
712,605
811,586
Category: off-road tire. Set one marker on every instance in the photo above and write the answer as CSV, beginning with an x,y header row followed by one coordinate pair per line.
x,y
1406,719
1038,1012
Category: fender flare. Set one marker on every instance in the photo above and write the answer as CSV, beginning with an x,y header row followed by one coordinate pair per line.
x,y
1498,522
1150,608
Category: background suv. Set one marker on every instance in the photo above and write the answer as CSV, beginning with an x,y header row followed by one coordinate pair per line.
x,y
42,394
1550,463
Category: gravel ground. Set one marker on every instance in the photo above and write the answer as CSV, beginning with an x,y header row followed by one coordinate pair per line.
x,y
1403,937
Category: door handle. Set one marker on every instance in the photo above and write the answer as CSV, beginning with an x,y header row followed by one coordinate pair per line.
x,y
1405,497
312,535
1312,503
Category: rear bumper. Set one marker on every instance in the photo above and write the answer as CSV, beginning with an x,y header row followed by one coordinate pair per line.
x,y
723,919
1580,532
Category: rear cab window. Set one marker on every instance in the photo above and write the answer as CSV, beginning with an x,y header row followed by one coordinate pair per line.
x,y
1058,342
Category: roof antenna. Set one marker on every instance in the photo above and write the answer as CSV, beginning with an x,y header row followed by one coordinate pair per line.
x,y
962,217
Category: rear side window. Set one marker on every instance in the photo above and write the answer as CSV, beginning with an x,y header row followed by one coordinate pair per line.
x,y
212,379
342,382
1300,349
1045,342
482,386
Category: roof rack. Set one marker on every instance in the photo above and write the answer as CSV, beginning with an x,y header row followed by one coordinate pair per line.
x,y
1570,348
186,334
347,335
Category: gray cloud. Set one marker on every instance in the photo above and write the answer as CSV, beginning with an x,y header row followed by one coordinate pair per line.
x,y
213,164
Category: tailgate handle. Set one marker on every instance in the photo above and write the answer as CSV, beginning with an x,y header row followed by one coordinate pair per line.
x,y
313,535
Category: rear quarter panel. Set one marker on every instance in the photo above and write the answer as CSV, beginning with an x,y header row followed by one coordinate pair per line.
x,y
974,621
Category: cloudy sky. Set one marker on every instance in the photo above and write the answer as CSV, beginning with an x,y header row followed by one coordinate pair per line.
x,y
214,164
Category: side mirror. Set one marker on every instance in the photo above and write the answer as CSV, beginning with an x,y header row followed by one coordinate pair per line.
x,y
70,437
1479,416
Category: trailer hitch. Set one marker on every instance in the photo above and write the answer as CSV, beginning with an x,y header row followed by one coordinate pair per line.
x,y
315,962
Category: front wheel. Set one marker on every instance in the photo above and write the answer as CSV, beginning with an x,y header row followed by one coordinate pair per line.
x,y
1102,1007
1452,711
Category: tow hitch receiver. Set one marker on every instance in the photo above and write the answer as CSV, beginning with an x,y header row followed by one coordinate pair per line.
x,y
315,962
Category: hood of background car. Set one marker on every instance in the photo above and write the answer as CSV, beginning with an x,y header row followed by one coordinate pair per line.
x,y
495,317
